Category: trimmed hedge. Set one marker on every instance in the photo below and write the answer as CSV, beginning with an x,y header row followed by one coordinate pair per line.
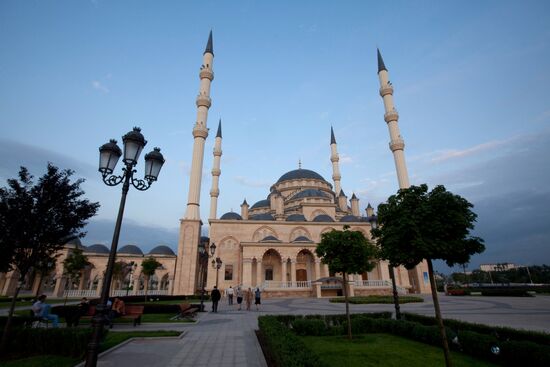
x,y
500,333
330,320
63,342
285,348
64,311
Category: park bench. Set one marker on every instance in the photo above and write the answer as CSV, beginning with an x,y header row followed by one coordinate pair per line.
x,y
37,321
133,312
187,311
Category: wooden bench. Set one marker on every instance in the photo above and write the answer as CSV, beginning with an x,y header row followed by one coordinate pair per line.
x,y
133,312
187,311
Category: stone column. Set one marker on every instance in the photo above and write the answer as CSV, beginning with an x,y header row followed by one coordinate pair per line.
x,y
283,270
317,269
135,289
59,285
327,272
293,271
259,277
247,273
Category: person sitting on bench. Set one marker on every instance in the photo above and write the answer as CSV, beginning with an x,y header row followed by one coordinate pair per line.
x,y
42,310
118,308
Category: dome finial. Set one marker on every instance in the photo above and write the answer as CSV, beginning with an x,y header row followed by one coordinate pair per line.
x,y
299,163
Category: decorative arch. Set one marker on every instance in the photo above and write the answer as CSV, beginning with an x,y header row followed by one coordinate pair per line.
x,y
317,212
228,243
297,232
263,232
164,282
270,266
325,230
305,260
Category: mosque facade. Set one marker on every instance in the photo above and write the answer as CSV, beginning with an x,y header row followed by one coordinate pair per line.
x,y
270,244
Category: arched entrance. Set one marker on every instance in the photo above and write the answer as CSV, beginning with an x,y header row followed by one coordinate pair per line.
x,y
270,267
304,266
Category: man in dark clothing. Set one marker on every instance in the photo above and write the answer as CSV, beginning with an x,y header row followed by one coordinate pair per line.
x,y
215,295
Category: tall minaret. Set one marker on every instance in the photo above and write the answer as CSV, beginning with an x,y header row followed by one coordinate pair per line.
x,y
397,145
200,131
334,158
215,191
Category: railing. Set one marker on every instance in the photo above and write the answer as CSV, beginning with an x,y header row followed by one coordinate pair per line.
x,y
79,293
278,284
380,283
92,293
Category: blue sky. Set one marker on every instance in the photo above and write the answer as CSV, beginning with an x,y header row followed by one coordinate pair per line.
x,y
471,86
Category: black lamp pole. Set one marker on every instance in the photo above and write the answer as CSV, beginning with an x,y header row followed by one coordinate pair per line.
x,y
217,264
109,156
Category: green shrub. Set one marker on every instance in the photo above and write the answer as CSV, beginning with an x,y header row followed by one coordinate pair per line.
x,y
63,342
501,333
285,348
517,353
309,327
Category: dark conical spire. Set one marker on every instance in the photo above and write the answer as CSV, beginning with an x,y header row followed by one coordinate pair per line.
x,y
244,202
332,138
353,197
381,65
219,133
342,193
209,47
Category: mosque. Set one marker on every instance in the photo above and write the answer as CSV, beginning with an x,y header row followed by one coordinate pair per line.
x,y
270,244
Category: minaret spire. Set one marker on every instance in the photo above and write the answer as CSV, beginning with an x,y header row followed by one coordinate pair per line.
x,y
209,45
216,172
334,158
397,145
200,132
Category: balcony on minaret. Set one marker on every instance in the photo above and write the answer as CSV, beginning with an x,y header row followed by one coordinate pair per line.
x,y
206,72
397,144
215,193
385,90
216,172
391,115
203,100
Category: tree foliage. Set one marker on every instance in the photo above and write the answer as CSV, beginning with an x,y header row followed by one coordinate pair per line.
x,y
74,264
415,225
37,219
346,251
149,266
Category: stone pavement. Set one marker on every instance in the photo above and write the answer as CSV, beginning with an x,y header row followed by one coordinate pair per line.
x,y
228,339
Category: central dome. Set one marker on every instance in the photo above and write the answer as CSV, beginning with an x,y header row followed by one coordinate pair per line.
x,y
299,174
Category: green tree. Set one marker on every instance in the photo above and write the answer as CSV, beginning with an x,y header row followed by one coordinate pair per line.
x,y
346,252
42,270
36,220
148,268
74,265
417,225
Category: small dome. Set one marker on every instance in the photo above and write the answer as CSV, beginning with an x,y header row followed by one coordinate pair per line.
x,y
302,239
162,250
310,193
299,174
296,218
261,204
75,241
270,238
323,218
231,216
98,248
130,250
264,216
350,218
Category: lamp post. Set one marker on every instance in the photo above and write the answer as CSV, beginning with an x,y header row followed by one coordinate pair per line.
x,y
204,255
373,219
217,264
109,154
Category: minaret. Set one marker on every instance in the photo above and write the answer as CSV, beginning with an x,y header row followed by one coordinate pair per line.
x,y
397,145
200,131
355,205
244,210
187,272
215,191
334,158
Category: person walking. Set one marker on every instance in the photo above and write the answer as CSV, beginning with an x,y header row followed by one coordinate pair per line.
x,y
248,298
215,295
230,292
239,297
258,298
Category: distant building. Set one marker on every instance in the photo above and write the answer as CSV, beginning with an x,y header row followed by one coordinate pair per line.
x,y
498,267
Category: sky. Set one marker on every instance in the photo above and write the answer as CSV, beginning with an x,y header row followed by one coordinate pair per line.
x,y
470,84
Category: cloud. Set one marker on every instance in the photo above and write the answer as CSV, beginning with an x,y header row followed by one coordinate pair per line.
x,y
345,159
96,84
456,153
14,154
252,183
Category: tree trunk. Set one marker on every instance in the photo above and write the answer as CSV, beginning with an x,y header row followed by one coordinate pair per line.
x,y
395,294
40,277
7,327
446,350
345,288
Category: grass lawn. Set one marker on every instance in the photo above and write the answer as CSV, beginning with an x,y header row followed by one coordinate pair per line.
x,y
6,305
383,350
377,299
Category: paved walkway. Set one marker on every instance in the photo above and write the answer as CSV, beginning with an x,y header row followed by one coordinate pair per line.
x,y
228,339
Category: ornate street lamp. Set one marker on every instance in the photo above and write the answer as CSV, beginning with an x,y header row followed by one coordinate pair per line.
x,y
217,264
109,154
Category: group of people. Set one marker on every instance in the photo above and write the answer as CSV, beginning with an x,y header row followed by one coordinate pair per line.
x,y
241,295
